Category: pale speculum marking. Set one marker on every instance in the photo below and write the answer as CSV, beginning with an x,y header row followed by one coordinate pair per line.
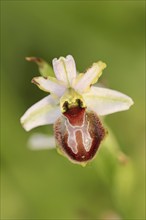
x,y
72,142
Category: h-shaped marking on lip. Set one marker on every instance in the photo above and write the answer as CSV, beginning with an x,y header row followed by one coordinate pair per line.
x,y
72,143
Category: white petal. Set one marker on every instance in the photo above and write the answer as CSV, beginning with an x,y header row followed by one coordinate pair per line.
x,y
65,69
50,84
44,112
90,77
106,101
40,141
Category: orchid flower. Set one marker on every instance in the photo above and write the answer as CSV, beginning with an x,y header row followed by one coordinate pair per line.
x,y
74,106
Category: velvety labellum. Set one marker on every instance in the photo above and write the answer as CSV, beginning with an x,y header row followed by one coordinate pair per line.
x,y
78,133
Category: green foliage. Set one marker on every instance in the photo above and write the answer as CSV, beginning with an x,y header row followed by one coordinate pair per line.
x,y
44,184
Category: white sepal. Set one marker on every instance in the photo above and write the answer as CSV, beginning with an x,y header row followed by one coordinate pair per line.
x,y
106,101
65,69
39,141
44,112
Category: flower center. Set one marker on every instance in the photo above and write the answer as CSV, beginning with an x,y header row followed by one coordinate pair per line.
x,y
71,99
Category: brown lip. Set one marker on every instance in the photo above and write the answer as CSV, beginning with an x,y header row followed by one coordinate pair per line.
x,y
97,133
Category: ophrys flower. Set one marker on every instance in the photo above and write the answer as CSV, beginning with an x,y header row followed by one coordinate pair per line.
x,y
74,106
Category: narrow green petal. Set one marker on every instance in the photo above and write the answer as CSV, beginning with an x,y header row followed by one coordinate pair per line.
x,y
50,84
90,77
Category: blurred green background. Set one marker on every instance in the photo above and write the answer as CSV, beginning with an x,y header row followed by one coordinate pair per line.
x,y
43,184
